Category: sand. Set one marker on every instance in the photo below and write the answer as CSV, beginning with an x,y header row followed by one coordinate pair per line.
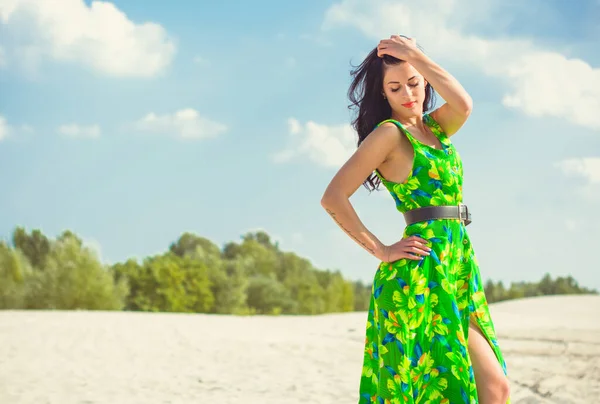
x,y
552,347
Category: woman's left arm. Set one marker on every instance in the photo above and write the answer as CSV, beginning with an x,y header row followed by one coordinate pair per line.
x,y
454,113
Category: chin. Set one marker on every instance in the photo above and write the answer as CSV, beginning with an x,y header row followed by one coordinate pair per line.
x,y
410,113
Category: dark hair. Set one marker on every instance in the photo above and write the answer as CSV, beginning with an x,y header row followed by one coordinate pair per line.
x,y
365,95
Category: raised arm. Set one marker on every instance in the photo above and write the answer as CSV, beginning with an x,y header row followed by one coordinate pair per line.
x,y
454,112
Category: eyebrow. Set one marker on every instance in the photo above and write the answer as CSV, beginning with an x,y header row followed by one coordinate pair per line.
x,y
397,82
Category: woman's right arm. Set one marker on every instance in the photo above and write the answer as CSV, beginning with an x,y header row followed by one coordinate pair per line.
x,y
373,151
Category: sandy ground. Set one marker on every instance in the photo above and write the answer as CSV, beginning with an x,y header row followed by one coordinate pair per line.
x,y
552,347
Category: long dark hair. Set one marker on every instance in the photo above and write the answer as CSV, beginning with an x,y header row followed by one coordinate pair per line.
x,y
365,95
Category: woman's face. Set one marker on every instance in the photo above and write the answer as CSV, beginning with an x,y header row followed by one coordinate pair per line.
x,y
404,89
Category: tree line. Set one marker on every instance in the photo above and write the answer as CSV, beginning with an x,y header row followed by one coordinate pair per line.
x,y
567,285
253,276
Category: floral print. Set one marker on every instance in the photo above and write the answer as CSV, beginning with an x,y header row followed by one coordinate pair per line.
x,y
417,326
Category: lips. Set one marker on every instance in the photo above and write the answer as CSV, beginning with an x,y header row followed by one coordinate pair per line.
x,y
409,105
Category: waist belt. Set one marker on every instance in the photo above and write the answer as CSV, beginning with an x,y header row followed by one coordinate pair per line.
x,y
438,212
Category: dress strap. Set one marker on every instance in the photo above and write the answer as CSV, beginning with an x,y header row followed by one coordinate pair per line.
x,y
436,128
410,137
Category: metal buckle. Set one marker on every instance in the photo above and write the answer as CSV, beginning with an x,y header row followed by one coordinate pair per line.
x,y
463,214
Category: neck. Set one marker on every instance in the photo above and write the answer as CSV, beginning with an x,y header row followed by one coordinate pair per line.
x,y
413,121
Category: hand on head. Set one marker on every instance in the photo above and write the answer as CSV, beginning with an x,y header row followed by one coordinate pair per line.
x,y
398,46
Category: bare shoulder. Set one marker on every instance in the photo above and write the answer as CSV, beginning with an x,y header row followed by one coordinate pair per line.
x,y
377,147
371,153
384,136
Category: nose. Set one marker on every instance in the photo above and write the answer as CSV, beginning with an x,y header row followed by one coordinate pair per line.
x,y
405,91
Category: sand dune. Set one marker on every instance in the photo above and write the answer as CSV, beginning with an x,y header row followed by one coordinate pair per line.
x,y
552,347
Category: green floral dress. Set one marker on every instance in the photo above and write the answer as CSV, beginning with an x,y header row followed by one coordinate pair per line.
x,y
418,320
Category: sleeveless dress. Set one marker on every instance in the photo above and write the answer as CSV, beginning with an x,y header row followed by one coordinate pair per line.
x,y
418,320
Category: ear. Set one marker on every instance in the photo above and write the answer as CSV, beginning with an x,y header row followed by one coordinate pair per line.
x,y
426,82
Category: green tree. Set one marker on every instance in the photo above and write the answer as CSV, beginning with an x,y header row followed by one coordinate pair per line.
x,y
34,246
127,273
230,286
191,244
15,271
228,278
338,294
267,296
73,278
362,295
168,283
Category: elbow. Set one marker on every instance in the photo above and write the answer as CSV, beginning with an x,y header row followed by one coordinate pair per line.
x,y
326,201
329,199
332,197
468,106
463,107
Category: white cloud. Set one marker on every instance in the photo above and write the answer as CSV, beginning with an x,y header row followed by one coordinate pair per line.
x,y
7,130
4,128
588,168
538,82
186,124
98,36
549,84
79,131
328,146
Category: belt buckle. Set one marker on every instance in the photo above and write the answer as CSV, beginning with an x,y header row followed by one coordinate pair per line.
x,y
464,214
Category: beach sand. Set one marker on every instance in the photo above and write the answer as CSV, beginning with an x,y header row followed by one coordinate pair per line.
x,y
551,344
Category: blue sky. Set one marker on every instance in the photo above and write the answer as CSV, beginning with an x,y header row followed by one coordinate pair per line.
x,y
131,123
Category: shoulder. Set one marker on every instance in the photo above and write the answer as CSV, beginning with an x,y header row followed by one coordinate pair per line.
x,y
385,131
380,142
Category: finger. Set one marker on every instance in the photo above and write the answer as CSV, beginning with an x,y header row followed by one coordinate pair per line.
x,y
411,256
415,241
420,244
417,250
419,239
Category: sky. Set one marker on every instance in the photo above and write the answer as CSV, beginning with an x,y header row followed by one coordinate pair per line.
x,y
133,122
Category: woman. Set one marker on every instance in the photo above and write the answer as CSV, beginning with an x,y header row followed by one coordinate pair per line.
x,y
429,335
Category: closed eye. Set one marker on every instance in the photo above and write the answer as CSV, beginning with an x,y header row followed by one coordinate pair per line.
x,y
393,90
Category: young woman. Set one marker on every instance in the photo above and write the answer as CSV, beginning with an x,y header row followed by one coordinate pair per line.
x,y
429,335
